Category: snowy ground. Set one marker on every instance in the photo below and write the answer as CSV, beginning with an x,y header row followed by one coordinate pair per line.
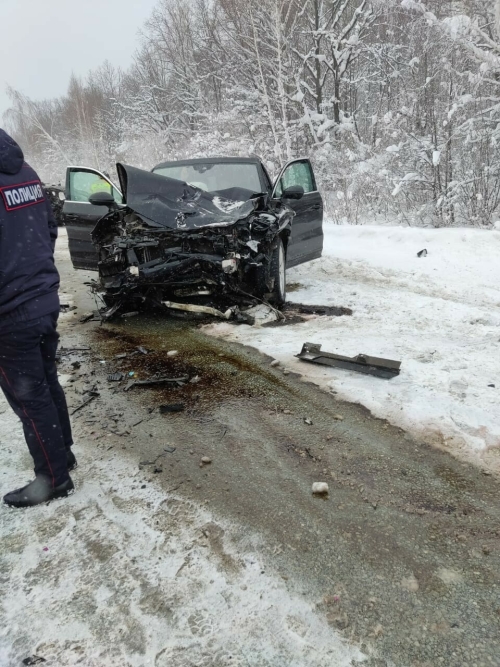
x,y
439,315
124,575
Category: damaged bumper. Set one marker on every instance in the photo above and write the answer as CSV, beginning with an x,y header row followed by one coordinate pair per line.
x,y
143,262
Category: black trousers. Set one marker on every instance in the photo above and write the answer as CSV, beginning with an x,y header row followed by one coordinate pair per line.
x,y
28,378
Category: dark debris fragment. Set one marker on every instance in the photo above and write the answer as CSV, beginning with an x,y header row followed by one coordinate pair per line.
x,y
171,407
115,377
155,381
93,395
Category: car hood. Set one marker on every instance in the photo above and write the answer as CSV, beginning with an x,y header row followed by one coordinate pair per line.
x,y
167,202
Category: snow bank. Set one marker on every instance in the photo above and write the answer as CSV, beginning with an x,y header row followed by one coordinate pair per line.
x,y
438,314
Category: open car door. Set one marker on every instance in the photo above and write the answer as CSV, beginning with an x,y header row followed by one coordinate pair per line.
x,y
306,241
81,216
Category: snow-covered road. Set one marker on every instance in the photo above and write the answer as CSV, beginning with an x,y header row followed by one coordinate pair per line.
x,y
123,574
439,314
131,571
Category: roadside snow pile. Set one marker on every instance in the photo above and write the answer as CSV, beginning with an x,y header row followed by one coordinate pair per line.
x,y
123,575
439,314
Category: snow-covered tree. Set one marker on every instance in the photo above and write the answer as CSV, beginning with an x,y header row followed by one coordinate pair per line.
x,y
396,101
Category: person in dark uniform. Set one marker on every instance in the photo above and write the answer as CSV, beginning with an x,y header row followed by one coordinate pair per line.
x,y
29,309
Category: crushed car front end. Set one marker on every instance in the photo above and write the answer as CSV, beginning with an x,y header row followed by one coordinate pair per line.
x,y
178,244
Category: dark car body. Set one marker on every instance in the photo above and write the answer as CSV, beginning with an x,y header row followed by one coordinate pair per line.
x,y
165,238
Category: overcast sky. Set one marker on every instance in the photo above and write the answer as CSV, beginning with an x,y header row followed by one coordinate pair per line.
x,y
43,41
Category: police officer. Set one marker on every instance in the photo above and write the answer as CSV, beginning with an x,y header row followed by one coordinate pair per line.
x,y
29,309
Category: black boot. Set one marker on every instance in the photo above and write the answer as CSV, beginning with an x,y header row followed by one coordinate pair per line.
x,y
72,462
37,492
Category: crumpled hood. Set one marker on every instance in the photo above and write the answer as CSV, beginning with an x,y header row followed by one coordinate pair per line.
x,y
11,155
167,202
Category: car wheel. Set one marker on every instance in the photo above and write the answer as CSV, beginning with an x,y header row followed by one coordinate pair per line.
x,y
278,274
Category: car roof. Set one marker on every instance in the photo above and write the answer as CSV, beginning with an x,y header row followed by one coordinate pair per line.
x,y
211,160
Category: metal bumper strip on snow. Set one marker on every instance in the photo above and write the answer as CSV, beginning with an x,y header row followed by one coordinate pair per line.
x,y
383,368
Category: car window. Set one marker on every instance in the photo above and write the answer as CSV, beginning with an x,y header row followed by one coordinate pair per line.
x,y
298,173
84,184
211,177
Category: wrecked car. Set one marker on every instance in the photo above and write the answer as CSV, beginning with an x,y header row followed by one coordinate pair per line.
x,y
208,232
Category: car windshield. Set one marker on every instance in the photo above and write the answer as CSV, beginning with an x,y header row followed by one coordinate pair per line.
x,y
215,176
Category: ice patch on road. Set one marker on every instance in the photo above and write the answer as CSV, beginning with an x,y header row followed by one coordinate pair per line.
x,y
124,576
439,315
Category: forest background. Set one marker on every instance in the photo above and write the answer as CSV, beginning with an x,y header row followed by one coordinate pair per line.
x,y
396,102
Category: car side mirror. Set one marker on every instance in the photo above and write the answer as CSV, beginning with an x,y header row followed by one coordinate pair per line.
x,y
103,199
293,192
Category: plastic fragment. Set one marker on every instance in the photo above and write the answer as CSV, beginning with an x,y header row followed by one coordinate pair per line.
x,y
171,407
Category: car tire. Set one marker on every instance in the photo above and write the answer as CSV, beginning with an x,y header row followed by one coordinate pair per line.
x,y
277,271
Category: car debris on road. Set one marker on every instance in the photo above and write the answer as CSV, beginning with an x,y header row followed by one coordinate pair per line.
x,y
115,377
166,450
363,363
93,395
71,350
90,317
34,659
180,381
171,408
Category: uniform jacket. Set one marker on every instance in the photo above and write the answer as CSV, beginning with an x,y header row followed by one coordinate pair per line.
x,y
29,280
